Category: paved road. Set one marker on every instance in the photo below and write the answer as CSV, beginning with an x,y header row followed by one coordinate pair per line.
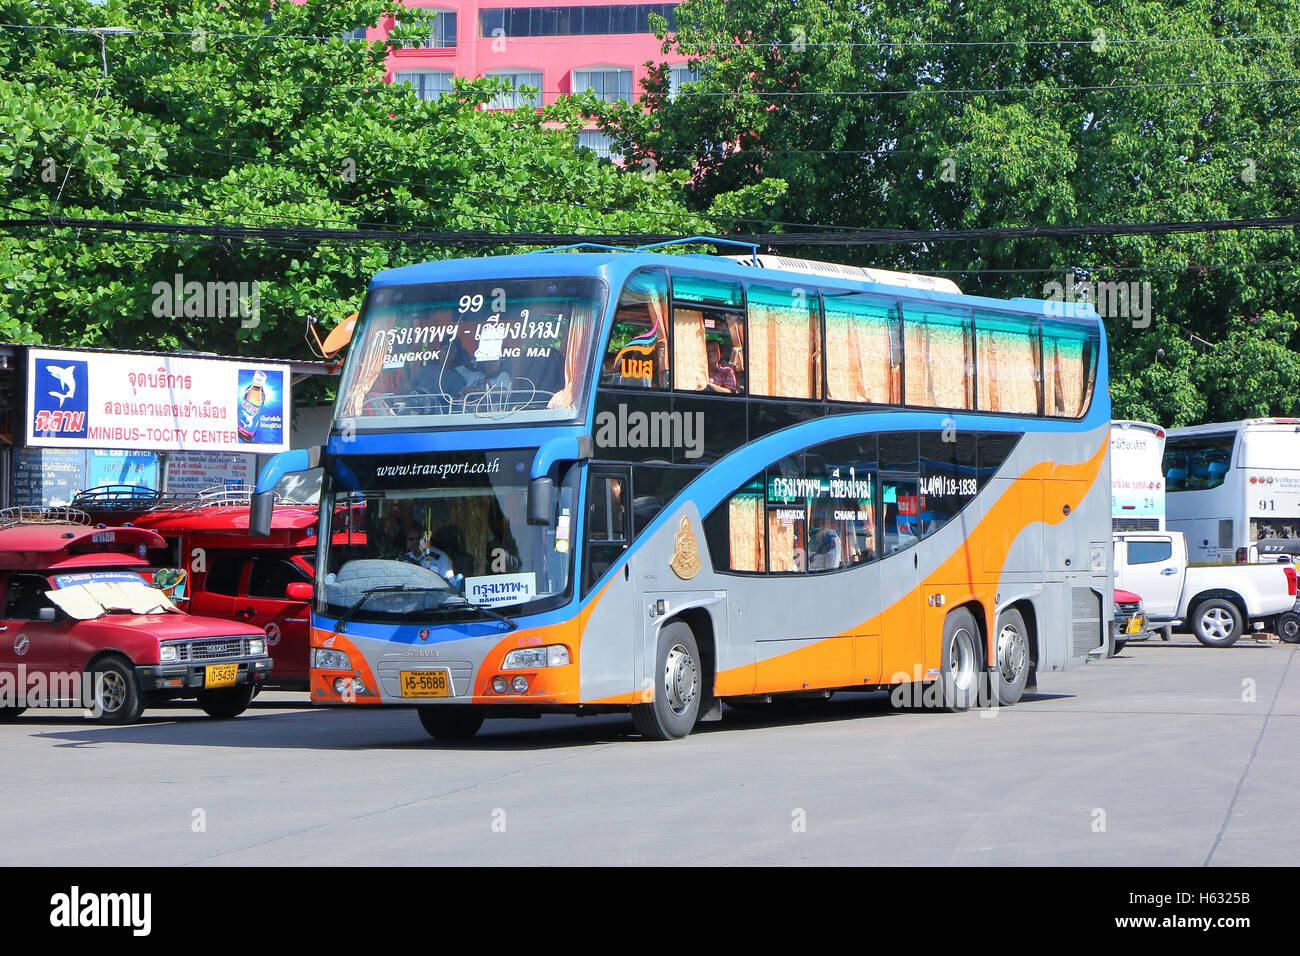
x,y
1153,757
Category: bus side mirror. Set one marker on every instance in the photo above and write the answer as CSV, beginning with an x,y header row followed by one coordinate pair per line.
x,y
541,501
298,591
261,509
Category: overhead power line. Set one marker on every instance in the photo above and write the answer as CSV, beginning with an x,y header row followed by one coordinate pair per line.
x,y
812,238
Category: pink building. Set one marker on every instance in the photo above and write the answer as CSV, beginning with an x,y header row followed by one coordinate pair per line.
x,y
593,45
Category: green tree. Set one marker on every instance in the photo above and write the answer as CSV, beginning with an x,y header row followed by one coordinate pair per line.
x,y
929,115
255,113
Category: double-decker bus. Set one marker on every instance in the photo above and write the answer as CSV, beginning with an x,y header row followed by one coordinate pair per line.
x,y
1234,489
625,480
1136,480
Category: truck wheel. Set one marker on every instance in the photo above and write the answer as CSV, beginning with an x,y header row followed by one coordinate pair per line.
x,y
117,697
1217,623
961,662
227,702
1011,665
1288,627
9,714
450,721
677,697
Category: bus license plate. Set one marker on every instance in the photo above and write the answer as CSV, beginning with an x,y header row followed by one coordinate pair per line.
x,y
426,683
1136,624
220,675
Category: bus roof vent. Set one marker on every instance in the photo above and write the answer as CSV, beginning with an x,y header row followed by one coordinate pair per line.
x,y
817,267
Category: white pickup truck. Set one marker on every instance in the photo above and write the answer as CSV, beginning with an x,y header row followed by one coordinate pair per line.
x,y
1217,601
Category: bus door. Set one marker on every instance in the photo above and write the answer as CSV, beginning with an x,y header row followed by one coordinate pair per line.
x,y
610,660
900,579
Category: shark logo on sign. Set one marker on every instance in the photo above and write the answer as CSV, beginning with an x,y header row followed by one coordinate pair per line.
x,y
60,403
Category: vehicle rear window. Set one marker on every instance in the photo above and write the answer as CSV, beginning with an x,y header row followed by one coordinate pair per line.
x,y
1149,552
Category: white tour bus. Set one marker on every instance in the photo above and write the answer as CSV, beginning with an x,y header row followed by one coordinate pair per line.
x,y
1234,489
1137,483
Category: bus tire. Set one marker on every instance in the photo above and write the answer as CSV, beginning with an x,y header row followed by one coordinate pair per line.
x,y
1217,623
117,697
450,721
1011,660
9,714
227,702
1288,627
676,705
960,663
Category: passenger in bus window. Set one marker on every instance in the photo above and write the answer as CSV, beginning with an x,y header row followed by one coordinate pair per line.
x,y
722,378
824,550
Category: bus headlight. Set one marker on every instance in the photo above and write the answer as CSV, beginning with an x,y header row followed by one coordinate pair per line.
x,y
527,658
324,659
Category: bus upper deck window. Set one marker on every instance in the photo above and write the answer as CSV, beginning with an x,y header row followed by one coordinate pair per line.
x,y
1007,364
864,354
784,342
1069,368
636,355
939,364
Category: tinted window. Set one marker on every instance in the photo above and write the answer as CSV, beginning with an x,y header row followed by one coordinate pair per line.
x,y
653,487
1196,462
636,355
270,577
784,342
1149,552
900,508
948,477
1069,368
1007,364
25,597
224,571
735,532
939,366
864,351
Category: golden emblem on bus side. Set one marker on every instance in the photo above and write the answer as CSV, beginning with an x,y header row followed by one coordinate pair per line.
x,y
686,554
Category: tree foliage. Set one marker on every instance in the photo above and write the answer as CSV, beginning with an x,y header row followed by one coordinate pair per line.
x,y
255,113
931,115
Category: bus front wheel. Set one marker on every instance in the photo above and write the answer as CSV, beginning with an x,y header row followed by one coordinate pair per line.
x,y
676,706
450,721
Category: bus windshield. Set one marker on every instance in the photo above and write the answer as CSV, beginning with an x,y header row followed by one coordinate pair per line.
x,y
461,352
447,529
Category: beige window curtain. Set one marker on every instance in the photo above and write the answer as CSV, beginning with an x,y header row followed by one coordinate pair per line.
x,y
783,537
658,303
690,355
858,353
1007,371
581,326
784,355
1064,361
745,524
938,360
369,367
737,358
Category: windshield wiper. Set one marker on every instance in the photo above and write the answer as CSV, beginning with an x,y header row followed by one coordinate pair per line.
x,y
379,589
462,603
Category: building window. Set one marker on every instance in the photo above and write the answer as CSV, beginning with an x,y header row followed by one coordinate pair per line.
x,y
600,144
516,99
679,75
574,21
610,84
426,84
358,34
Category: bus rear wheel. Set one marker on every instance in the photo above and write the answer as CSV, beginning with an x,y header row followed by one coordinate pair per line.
x,y
1217,623
961,663
450,722
1011,662
676,706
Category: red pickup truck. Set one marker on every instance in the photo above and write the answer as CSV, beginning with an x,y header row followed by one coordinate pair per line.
x,y
81,626
211,566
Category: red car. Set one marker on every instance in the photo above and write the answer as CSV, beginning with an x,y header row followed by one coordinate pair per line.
x,y
81,626
1131,622
211,566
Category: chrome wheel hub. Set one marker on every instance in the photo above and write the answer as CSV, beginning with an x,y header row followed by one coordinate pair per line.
x,y
1013,651
681,679
1216,623
961,659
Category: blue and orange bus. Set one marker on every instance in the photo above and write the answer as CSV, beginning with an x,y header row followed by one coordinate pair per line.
x,y
584,481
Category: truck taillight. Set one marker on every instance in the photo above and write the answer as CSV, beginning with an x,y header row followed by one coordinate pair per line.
x,y
1241,555
1290,580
